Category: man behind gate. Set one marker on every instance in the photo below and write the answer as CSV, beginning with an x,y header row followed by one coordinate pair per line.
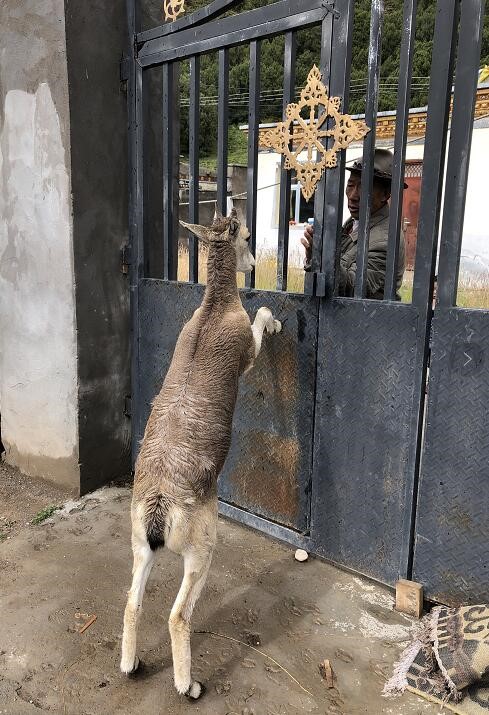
x,y
378,227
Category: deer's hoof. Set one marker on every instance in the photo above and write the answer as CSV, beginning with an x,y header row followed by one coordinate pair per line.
x,y
195,691
135,668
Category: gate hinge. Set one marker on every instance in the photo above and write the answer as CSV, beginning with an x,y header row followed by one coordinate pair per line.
x,y
124,68
125,259
127,405
330,8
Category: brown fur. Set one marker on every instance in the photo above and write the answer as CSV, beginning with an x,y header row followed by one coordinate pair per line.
x,y
187,439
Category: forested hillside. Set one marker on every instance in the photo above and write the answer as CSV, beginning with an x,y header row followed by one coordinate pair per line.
x,y
307,54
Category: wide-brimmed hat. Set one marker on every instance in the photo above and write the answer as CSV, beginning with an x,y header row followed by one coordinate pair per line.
x,y
383,159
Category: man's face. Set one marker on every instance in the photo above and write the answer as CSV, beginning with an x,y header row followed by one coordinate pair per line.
x,y
380,194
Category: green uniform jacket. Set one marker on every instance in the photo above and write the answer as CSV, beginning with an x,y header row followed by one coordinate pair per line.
x,y
377,256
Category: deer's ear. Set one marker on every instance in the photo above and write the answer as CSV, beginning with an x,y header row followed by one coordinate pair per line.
x,y
202,232
217,214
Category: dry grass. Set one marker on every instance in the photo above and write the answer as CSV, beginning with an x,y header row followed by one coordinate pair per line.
x,y
473,291
265,272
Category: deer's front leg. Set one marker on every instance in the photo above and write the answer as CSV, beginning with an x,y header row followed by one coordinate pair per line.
x,y
264,320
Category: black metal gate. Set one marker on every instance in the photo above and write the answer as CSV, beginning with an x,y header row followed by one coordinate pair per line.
x,y
452,530
269,468
328,429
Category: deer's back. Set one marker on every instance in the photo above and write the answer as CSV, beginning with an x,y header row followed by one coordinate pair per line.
x,y
188,432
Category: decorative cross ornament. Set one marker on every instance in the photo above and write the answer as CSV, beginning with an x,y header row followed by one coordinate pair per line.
x,y
314,98
173,8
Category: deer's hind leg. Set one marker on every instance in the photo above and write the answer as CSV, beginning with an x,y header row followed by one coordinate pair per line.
x,y
143,562
197,556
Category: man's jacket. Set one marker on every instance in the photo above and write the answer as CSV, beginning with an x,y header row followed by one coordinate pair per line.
x,y
377,256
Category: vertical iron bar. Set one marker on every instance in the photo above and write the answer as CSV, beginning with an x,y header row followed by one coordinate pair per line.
x,y
136,221
469,44
339,85
313,275
193,139
171,166
402,114
436,139
253,136
444,43
374,60
285,175
223,131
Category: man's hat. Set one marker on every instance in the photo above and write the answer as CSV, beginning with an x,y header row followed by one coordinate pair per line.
x,y
382,165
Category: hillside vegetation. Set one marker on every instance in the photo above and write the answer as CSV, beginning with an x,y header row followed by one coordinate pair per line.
x,y
308,53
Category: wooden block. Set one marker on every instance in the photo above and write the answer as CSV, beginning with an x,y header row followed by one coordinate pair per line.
x,y
409,598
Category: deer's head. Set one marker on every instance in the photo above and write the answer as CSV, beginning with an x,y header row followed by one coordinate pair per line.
x,y
228,230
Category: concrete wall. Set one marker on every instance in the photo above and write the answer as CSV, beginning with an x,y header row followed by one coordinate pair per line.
x,y
64,302
38,371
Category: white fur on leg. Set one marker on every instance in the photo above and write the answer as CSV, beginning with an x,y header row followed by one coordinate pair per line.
x,y
143,561
264,320
195,574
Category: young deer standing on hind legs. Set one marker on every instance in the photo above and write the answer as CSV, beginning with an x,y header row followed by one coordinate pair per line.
x,y
187,439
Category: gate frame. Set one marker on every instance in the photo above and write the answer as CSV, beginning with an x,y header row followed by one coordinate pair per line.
x,y
162,45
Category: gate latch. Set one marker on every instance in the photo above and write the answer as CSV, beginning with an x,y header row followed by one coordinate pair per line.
x,y
125,259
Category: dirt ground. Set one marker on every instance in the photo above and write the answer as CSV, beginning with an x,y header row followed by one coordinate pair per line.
x,y
281,619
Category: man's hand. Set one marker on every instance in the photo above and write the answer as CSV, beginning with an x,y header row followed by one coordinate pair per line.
x,y
307,243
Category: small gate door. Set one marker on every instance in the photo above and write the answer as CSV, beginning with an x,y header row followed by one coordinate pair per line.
x,y
452,529
268,471
373,353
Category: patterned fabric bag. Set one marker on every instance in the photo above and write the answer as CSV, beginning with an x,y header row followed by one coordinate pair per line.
x,y
448,660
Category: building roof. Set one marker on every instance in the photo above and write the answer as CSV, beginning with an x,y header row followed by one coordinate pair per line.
x,y
386,121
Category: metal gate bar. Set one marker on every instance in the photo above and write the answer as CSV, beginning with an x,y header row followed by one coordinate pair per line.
x,y
136,217
374,61
196,18
402,113
193,166
431,187
171,160
450,555
310,281
253,135
436,138
223,131
471,20
334,182
285,175
252,25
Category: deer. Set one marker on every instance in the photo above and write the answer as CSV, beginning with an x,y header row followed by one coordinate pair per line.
x,y
187,439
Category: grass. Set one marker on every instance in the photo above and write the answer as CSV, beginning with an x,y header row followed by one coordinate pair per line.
x,y
473,292
44,514
265,271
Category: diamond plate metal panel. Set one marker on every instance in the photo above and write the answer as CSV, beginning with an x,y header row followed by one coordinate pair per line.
x,y
452,528
364,442
268,470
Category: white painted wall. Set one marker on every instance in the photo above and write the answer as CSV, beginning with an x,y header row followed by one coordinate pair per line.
x,y
38,371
